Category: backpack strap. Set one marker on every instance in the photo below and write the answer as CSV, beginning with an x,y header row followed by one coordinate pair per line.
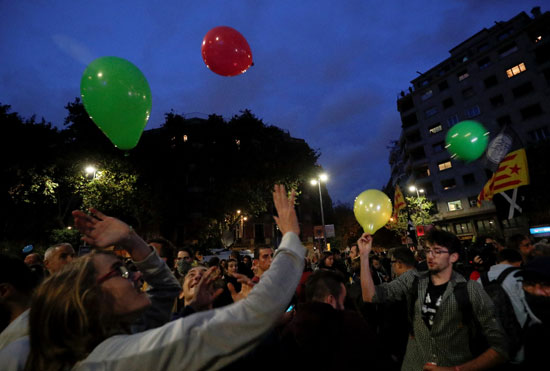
x,y
463,300
502,276
484,278
412,302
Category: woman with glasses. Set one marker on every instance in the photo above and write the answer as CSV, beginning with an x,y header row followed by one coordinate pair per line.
x,y
79,318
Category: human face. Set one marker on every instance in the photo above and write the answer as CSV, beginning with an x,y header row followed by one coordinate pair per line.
x,y
264,261
246,260
126,292
232,267
354,252
32,259
62,255
191,281
198,255
526,247
376,264
439,259
183,255
329,261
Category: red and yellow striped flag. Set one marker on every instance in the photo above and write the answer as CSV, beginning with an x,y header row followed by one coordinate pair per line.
x,y
512,172
398,202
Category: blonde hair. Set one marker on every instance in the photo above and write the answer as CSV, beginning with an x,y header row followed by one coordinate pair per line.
x,y
70,315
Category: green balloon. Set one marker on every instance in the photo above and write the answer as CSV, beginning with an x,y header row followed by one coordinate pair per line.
x,y
467,140
117,97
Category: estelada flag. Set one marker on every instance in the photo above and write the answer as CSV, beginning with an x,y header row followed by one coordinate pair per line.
x,y
398,202
512,173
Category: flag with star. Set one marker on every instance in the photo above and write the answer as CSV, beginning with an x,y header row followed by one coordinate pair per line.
x,y
511,173
398,202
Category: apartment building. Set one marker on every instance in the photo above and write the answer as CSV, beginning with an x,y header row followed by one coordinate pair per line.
x,y
499,76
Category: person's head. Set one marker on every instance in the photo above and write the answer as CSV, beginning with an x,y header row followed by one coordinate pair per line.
x,y
214,262
190,282
536,285
247,261
184,254
57,256
523,244
375,261
354,252
443,249
327,260
16,285
87,301
223,264
336,254
164,248
33,259
232,266
542,248
326,286
262,259
198,256
509,256
402,260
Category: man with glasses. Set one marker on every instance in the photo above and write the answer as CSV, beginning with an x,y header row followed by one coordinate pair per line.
x,y
523,244
439,340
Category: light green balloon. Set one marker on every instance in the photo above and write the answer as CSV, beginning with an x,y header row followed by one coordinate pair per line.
x,y
117,97
372,209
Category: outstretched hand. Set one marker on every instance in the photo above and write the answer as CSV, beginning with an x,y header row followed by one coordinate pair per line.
x,y
287,219
365,244
205,294
246,287
101,230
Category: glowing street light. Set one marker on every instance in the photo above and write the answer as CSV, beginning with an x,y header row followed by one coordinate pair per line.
x,y
321,178
413,188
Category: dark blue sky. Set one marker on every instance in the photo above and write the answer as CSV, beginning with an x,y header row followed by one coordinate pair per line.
x,y
327,71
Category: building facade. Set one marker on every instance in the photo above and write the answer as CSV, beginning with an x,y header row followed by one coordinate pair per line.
x,y
499,76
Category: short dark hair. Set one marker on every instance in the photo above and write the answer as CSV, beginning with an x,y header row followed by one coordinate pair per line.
x,y
509,255
15,272
323,283
257,250
403,255
515,240
167,249
445,239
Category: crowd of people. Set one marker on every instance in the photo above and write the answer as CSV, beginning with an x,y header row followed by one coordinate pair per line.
x,y
133,304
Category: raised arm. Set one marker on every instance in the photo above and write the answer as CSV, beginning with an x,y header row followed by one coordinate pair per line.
x,y
367,285
103,231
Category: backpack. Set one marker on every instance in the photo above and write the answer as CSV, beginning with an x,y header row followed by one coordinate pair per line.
x,y
504,309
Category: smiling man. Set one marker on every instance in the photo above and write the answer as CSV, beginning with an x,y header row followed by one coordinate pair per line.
x,y
439,339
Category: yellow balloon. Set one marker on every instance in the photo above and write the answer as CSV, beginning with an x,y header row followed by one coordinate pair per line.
x,y
372,209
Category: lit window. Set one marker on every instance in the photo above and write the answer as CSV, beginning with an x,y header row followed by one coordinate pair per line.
x,y
463,75
516,70
185,138
473,112
454,205
539,38
431,111
427,95
436,129
452,120
444,165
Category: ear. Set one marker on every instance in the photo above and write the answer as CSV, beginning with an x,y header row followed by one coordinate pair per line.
x,y
454,257
6,290
330,300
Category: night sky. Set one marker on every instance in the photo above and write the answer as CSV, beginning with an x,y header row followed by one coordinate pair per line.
x,y
327,71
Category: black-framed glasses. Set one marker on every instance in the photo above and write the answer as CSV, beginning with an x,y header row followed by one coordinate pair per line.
x,y
436,251
119,270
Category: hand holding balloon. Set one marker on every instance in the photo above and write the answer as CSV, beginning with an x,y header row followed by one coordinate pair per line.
x,y
372,209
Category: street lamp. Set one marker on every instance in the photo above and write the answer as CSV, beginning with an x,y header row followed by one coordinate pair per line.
x,y
91,170
322,178
413,188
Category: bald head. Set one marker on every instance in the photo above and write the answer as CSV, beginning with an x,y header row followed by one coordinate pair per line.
x,y
57,256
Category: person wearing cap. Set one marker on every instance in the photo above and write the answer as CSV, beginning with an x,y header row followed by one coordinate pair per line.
x,y
536,286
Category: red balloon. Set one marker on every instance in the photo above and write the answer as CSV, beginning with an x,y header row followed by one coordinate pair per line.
x,y
226,52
